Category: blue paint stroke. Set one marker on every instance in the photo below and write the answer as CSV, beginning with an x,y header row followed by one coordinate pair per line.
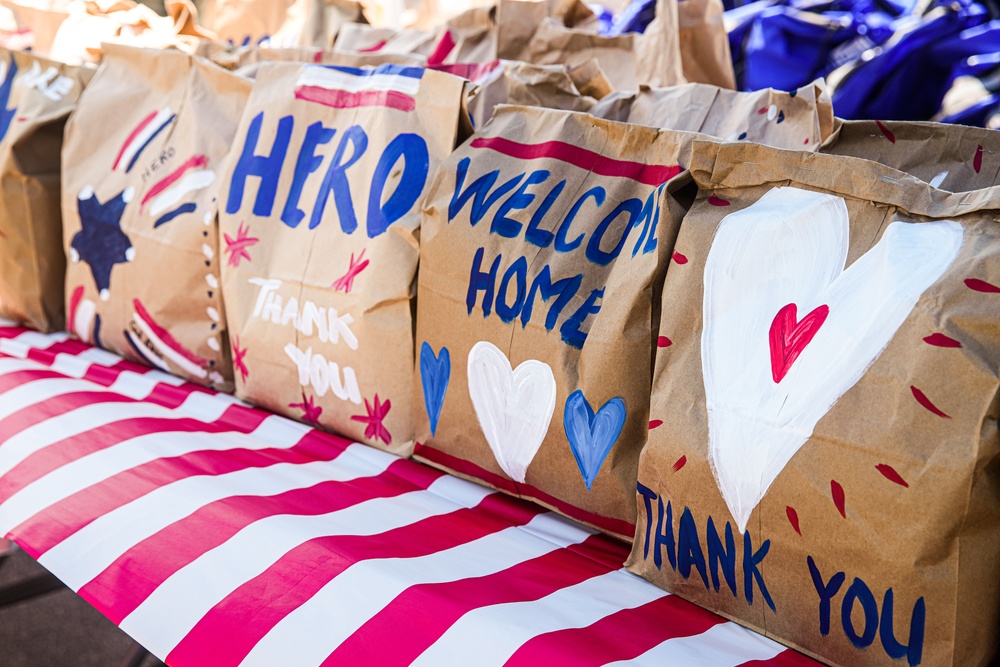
x,y
435,371
7,114
147,142
591,436
190,207
97,331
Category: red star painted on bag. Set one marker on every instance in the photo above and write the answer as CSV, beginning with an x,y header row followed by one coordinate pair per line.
x,y
375,429
237,248
239,358
346,281
310,411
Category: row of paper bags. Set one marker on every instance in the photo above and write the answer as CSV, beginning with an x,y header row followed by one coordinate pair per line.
x,y
773,364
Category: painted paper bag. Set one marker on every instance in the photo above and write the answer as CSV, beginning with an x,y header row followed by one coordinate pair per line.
x,y
704,43
533,32
825,468
321,230
543,246
954,158
36,96
141,165
800,119
282,23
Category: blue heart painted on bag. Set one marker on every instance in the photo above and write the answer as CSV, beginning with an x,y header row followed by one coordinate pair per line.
x,y
591,436
435,371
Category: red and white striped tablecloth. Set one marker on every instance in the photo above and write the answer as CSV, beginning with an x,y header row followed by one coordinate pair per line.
x,y
217,534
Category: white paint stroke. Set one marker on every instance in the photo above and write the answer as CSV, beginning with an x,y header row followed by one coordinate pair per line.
x,y
196,180
514,407
790,247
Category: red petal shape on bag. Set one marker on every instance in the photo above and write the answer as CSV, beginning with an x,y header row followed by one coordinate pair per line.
x,y
679,258
680,463
977,162
716,200
837,491
663,341
981,286
888,135
653,423
926,402
793,518
890,474
940,340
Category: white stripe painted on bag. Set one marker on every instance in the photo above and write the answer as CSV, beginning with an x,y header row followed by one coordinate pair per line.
x,y
336,80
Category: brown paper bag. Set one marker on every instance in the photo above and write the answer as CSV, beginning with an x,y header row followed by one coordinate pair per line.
x,y
511,82
544,241
361,38
704,43
826,468
36,96
141,165
530,31
281,23
799,119
321,226
954,158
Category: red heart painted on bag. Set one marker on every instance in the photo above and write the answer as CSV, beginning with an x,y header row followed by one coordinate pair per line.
x,y
789,337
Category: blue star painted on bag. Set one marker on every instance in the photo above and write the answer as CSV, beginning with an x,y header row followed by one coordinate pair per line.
x,y
101,243
7,115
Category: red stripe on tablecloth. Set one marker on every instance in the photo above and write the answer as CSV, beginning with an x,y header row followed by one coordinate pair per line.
x,y
787,658
57,523
463,467
442,605
126,583
256,607
235,419
648,174
623,635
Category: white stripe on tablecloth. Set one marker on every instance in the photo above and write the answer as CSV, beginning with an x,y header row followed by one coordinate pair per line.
x,y
723,645
310,633
331,79
167,615
92,549
125,455
35,438
490,635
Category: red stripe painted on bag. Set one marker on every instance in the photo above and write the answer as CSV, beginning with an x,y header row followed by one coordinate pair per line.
x,y
649,174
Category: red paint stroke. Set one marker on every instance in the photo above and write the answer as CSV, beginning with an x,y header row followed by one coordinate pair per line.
x,y
663,341
239,358
788,337
318,56
342,99
981,286
890,474
648,174
192,162
441,49
653,423
372,49
762,111
346,282
806,142
926,402
474,72
310,411
375,430
131,137
837,491
74,303
238,247
165,336
681,462
716,200
679,258
888,135
977,162
21,119
793,518
940,340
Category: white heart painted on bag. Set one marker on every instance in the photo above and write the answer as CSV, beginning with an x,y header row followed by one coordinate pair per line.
x,y
514,407
790,247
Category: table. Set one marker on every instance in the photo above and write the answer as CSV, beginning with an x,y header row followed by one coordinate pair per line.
x,y
217,534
